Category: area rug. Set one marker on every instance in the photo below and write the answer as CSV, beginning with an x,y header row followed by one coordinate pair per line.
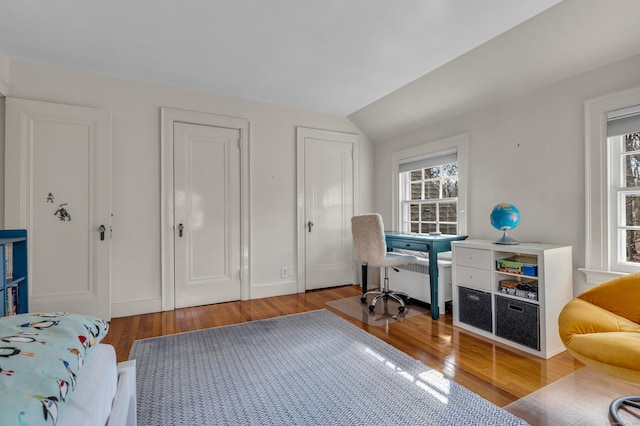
x,y
386,311
311,368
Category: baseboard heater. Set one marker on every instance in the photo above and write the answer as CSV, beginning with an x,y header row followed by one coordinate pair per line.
x,y
413,279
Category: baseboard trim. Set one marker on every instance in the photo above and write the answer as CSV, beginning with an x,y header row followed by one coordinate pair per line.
x,y
136,307
273,289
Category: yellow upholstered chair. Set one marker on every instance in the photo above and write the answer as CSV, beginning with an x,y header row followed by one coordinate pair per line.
x,y
601,328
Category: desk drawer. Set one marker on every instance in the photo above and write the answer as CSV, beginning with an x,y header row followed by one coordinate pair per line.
x,y
473,277
407,245
475,258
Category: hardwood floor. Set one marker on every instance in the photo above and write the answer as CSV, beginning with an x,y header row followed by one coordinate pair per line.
x,y
498,374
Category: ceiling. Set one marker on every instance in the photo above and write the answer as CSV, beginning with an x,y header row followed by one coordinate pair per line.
x,y
333,56
571,38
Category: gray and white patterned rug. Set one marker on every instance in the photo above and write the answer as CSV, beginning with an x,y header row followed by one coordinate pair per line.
x,y
312,368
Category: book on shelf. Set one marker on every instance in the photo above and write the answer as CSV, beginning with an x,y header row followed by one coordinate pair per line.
x,y
12,301
8,258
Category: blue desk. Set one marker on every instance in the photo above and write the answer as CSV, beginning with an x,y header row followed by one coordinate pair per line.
x,y
426,243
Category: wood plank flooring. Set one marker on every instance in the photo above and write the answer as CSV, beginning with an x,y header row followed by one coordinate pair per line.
x,y
580,398
498,374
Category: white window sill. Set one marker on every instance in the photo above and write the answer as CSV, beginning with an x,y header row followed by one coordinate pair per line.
x,y
595,276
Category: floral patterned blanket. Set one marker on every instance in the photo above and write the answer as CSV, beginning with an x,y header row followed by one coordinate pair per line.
x,y
40,358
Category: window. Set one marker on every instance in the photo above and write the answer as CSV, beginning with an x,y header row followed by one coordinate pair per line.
x,y
623,129
612,188
429,195
429,187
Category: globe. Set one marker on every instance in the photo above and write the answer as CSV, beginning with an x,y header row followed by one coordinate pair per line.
x,y
505,217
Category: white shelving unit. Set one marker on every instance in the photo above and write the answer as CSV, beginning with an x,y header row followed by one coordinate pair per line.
x,y
521,318
14,283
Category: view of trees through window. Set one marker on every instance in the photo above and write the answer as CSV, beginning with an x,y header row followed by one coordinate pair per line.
x,y
631,227
430,199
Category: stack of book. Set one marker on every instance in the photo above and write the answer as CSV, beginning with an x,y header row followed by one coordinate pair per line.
x,y
8,258
12,300
12,292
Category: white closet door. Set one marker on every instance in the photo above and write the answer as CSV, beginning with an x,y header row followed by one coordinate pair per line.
x,y
58,187
207,214
329,206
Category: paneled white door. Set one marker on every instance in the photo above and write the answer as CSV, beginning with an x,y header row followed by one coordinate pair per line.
x,y
206,214
328,207
58,187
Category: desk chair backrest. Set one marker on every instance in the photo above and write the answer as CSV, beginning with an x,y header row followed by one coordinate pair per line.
x,y
369,245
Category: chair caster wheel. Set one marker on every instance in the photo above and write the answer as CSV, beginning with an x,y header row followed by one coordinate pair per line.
x,y
363,299
401,309
371,308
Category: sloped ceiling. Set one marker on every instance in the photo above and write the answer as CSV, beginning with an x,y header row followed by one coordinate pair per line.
x,y
567,39
390,66
334,56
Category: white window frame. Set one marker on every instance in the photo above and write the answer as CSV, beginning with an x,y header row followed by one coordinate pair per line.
x,y
617,207
461,144
406,201
598,234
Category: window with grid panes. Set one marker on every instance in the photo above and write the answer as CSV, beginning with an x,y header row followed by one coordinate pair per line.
x,y
612,186
624,202
429,199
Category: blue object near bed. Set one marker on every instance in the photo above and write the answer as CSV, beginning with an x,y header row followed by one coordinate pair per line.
x,y
40,358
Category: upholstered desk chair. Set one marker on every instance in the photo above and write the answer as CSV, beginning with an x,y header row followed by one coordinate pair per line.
x,y
601,328
370,249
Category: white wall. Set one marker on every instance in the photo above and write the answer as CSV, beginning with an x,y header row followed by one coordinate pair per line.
x,y
5,67
5,62
528,151
2,110
136,171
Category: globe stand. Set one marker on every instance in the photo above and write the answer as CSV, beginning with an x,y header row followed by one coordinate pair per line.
x,y
506,239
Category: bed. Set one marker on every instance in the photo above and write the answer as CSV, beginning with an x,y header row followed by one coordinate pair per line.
x,y
55,371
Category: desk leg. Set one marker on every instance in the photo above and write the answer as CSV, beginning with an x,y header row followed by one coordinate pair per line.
x,y
364,279
433,282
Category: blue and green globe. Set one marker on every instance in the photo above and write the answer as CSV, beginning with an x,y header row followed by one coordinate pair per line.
x,y
505,217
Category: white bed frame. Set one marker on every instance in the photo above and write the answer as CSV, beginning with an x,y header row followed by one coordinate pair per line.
x,y
124,409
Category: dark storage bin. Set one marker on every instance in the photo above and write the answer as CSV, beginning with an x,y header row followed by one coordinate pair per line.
x,y
518,321
475,308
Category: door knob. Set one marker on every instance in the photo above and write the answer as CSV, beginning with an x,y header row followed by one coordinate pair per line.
x,y
180,228
101,230
310,224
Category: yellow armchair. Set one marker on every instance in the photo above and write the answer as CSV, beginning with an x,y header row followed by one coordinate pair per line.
x,y
601,328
